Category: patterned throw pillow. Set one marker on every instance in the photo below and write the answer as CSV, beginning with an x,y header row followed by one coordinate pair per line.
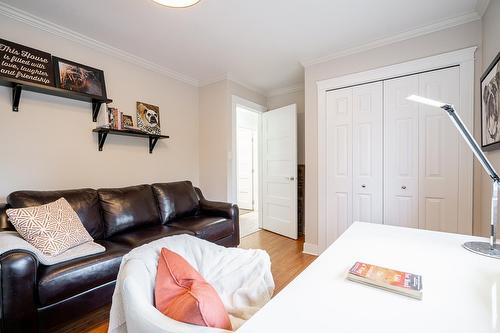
x,y
52,228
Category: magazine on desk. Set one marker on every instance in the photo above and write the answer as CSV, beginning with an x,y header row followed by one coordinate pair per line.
x,y
403,283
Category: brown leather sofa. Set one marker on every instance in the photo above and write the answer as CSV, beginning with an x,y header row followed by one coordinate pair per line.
x,y
35,298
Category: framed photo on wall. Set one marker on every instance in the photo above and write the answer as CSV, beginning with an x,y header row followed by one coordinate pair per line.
x,y
490,106
72,76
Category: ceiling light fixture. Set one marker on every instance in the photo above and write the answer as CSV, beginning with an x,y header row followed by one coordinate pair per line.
x,y
177,3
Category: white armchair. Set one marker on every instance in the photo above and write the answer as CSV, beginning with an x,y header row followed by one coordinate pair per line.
x,y
242,278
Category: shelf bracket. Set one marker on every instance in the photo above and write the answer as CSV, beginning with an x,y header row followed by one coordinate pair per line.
x,y
96,107
16,97
101,139
152,143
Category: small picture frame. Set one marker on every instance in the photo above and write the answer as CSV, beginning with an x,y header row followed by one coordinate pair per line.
x,y
127,121
113,118
490,106
80,78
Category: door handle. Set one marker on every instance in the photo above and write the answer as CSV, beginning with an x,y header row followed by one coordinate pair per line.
x,y
403,187
291,178
363,186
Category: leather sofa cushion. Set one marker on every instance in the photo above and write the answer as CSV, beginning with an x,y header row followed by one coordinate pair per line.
x,y
127,208
84,202
176,200
61,281
206,227
147,234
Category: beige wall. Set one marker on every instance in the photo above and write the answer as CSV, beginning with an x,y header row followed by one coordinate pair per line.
x,y
297,97
435,43
491,47
49,144
215,138
214,119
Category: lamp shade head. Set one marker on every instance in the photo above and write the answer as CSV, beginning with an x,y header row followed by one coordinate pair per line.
x,y
426,101
177,3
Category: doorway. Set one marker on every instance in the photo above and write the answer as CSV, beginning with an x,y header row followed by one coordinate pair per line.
x,y
263,164
247,168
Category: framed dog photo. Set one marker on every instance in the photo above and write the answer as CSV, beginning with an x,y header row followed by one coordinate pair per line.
x,y
490,106
72,76
148,118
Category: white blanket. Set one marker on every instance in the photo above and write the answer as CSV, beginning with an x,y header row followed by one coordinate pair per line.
x,y
11,240
242,278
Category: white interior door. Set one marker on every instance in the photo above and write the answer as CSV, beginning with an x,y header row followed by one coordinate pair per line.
x,y
338,162
279,160
367,159
439,158
401,152
245,167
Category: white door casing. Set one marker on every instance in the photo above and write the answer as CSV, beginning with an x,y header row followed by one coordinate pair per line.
x,y
464,60
367,156
279,171
245,168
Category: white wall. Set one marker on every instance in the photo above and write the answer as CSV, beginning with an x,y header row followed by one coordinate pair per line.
x,y
491,47
435,43
49,144
296,97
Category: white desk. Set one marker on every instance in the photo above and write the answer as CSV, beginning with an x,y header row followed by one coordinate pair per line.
x,y
461,289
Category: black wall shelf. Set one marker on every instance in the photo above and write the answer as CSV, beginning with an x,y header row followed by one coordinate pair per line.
x,y
18,86
103,134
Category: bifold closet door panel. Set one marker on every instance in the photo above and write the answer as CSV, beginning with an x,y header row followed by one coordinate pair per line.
x,y
367,161
401,152
339,162
439,153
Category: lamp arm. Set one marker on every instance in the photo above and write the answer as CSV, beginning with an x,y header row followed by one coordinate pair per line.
x,y
474,146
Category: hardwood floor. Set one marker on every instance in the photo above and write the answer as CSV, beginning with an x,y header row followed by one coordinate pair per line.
x,y
287,261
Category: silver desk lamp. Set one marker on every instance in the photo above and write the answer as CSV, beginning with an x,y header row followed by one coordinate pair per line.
x,y
491,249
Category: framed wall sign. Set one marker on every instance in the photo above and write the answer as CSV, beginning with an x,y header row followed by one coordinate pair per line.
x,y
72,76
25,63
490,106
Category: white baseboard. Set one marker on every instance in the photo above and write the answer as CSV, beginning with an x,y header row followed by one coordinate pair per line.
x,y
311,249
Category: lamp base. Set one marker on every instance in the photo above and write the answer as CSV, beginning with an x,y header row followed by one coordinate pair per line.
x,y
484,249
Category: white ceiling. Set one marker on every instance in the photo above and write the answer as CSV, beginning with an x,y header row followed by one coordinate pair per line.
x,y
259,42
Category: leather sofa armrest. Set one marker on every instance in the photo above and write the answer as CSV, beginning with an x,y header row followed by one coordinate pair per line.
x,y
18,311
217,208
222,209
4,221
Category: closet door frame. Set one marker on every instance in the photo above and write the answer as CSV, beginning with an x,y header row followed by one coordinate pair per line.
x,y
465,60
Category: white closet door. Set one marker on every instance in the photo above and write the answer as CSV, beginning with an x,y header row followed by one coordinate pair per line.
x,y
367,161
339,162
439,153
401,152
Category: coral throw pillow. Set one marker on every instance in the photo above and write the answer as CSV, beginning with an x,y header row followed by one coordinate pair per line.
x,y
52,228
182,294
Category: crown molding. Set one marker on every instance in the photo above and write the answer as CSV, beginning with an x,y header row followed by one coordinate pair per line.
x,y
216,79
445,24
481,7
286,90
60,31
232,78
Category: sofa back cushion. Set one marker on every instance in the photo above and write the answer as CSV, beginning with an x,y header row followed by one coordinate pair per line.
x,y
127,208
83,201
175,200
